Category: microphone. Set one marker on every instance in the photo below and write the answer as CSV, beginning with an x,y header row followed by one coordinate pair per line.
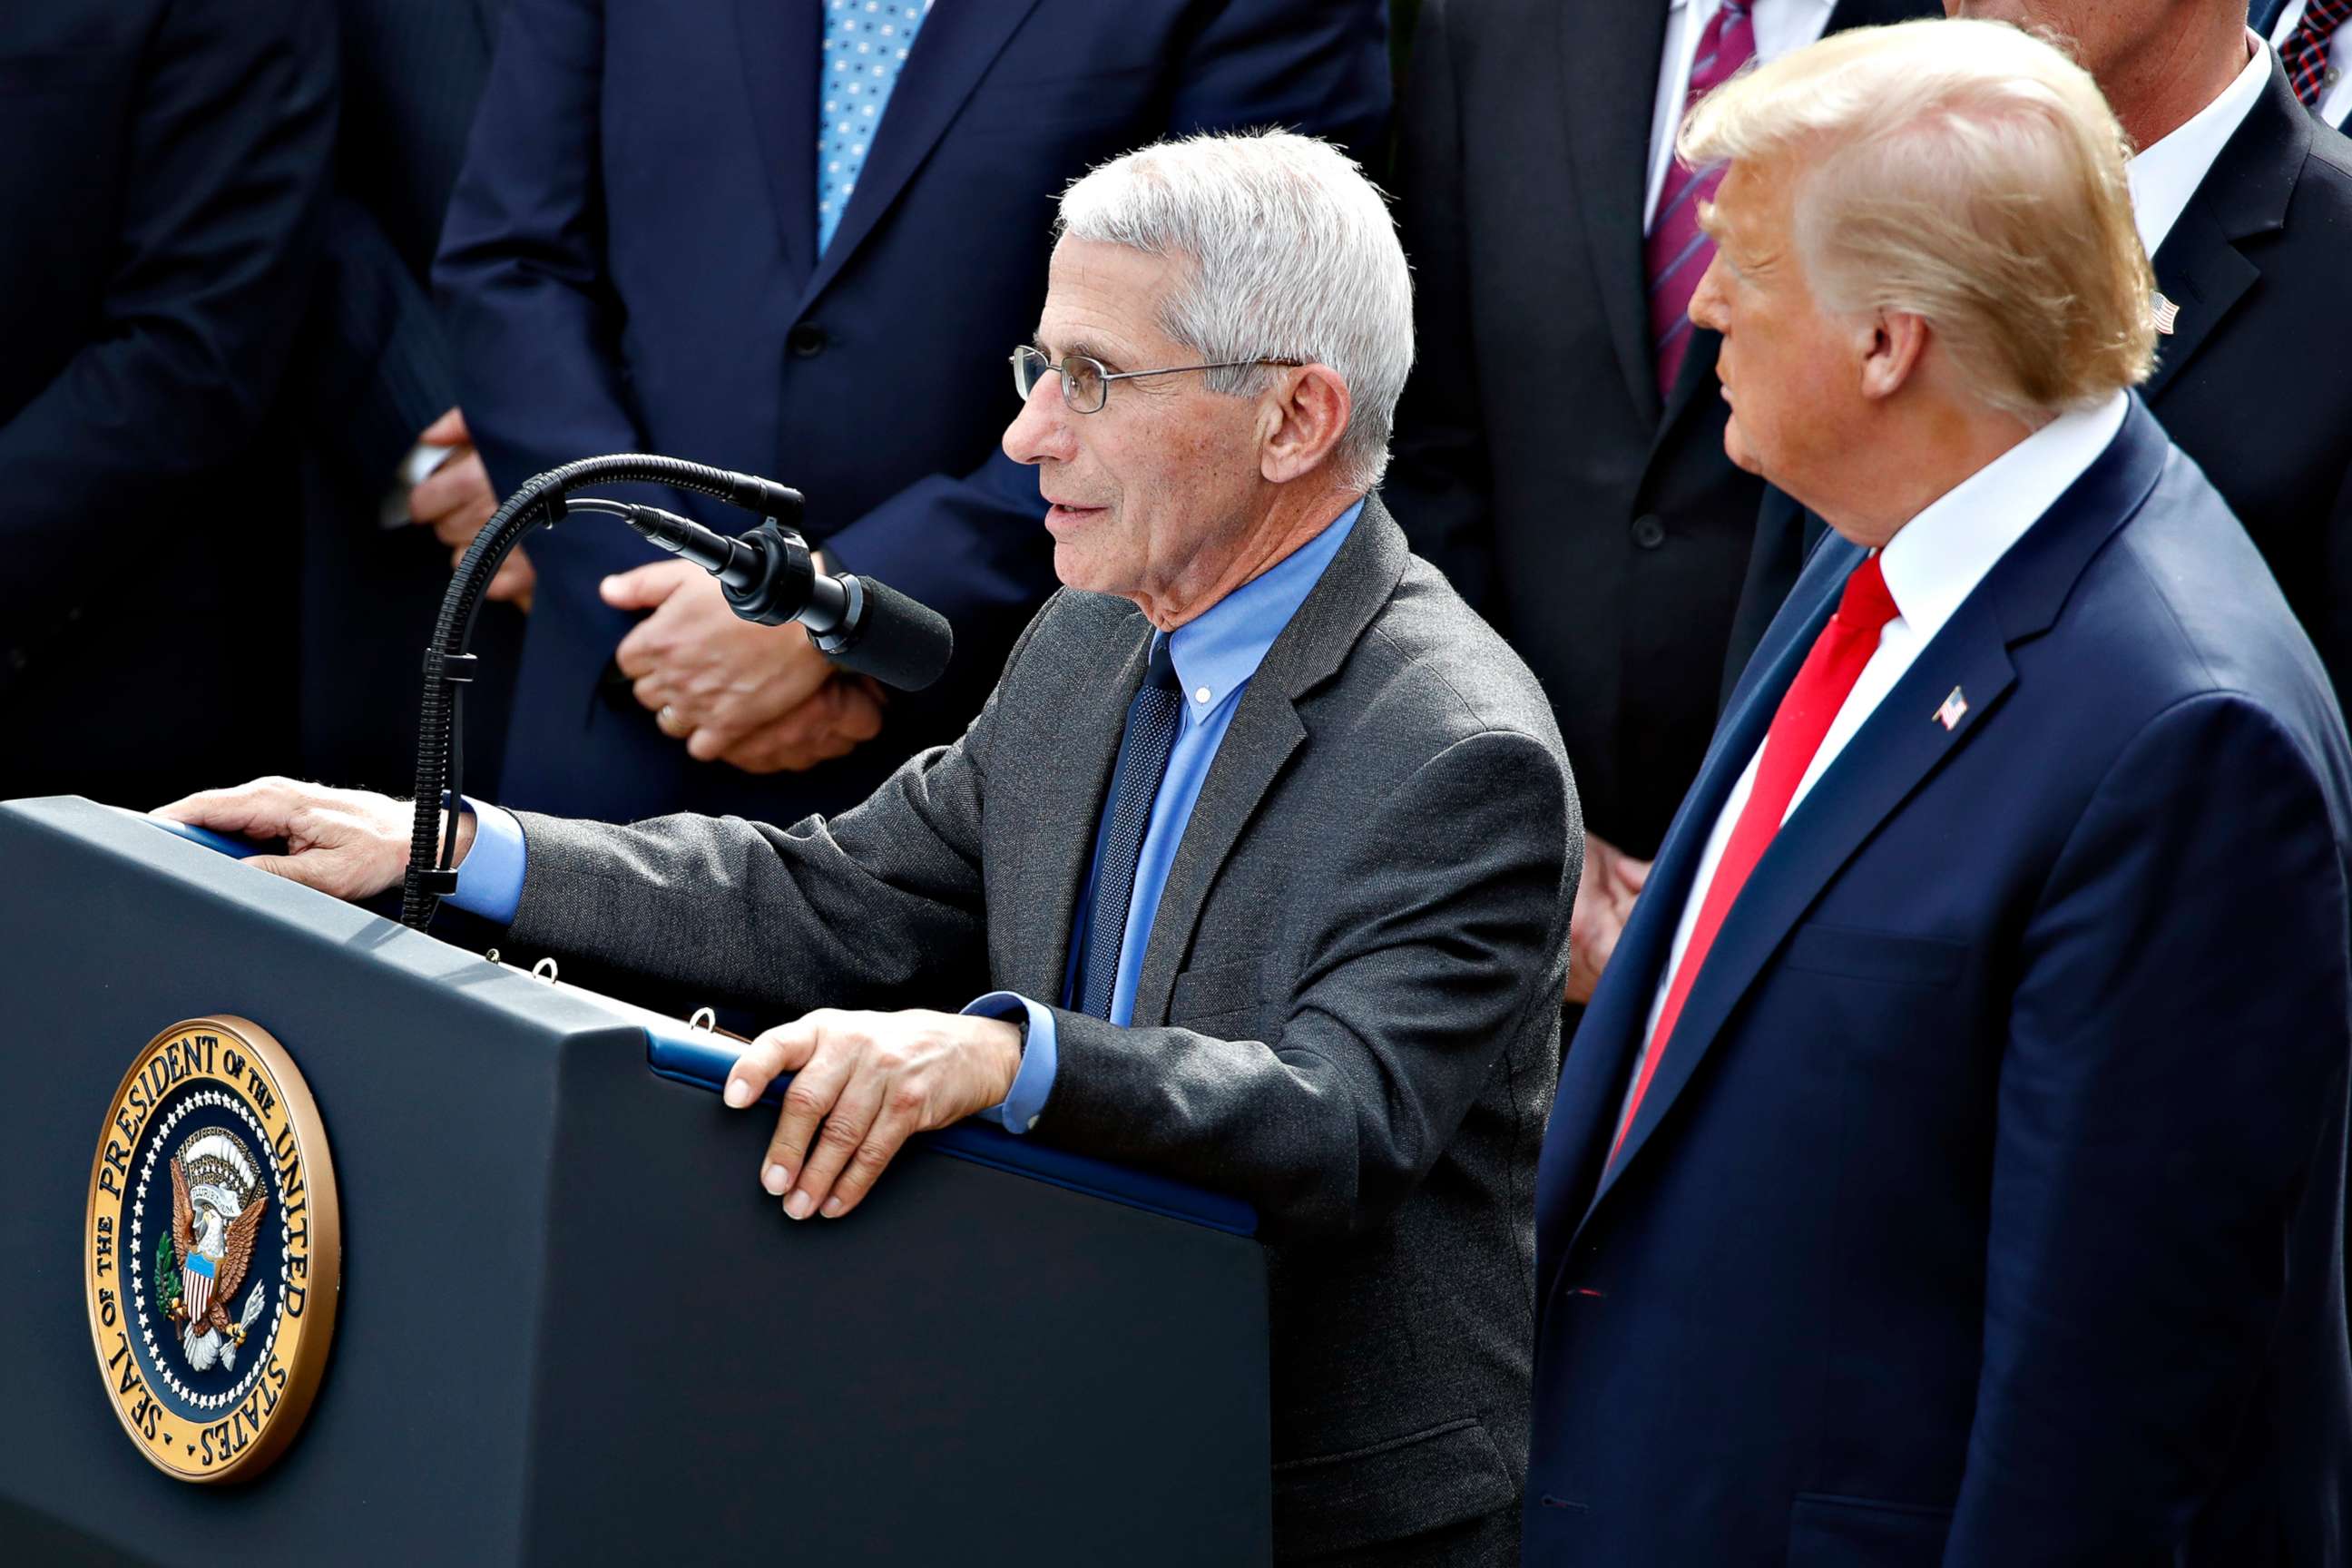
x,y
770,577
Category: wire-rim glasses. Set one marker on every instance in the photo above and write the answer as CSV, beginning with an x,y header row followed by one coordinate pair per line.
x,y
1086,380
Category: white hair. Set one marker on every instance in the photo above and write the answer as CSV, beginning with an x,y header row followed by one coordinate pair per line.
x,y
1292,255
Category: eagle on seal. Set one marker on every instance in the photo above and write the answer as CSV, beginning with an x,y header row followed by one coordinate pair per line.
x,y
225,1245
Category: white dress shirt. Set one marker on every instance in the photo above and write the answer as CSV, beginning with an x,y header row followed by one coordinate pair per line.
x,y
2167,172
1781,25
2336,95
1932,564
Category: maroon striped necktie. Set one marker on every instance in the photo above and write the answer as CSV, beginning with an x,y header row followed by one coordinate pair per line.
x,y
1677,253
2305,53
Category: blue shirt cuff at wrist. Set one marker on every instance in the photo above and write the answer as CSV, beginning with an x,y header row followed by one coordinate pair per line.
x,y
1026,1101
489,881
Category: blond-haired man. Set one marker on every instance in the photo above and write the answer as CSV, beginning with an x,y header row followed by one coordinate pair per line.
x,y
1949,1168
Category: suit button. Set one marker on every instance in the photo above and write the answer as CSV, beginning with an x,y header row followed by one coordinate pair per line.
x,y
806,340
1648,532
17,659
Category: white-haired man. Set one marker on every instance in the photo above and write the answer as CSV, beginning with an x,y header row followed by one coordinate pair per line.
x,y
1949,1168
1263,840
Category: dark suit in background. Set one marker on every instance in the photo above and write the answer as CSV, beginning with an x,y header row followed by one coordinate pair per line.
x,y
1363,1053
2264,16
379,365
2254,382
630,261
1588,512
1986,1206
162,196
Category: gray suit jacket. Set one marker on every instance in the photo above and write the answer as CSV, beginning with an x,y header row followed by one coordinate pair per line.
x,y
1348,1012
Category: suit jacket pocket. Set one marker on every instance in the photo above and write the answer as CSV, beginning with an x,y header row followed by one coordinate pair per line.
x,y
1423,1480
1861,1532
1820,948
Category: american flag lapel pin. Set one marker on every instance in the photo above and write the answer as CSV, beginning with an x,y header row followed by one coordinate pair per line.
x,y
1955,709
2166,313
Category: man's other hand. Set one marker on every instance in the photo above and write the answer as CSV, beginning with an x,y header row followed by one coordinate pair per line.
x,y
345,842
455,499
845,713
862,1084
1604,901
723,685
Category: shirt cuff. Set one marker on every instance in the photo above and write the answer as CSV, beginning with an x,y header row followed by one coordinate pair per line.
x,y
1026,1101
490,879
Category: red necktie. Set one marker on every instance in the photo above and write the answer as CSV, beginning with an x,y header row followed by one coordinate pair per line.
x,y
1675,252
1806,710
2305,53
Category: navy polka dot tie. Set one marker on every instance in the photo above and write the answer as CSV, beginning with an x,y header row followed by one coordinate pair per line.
x,y
1152,720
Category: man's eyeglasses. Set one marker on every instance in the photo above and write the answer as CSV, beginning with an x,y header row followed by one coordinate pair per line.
x,y
1086,382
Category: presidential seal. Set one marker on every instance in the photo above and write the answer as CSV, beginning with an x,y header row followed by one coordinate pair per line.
x,y
211,1250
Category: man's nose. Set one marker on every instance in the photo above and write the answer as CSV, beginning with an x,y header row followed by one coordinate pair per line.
x,y
1042,429
1706,299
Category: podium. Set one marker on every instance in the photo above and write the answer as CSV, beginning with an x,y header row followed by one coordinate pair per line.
x,y
572,1328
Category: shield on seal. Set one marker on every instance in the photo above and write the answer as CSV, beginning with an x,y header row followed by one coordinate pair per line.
x,y
196,1284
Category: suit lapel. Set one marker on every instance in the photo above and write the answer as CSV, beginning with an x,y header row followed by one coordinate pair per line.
x,y
1600,1060
952,51
1267,729
1066,795
2200,267
1609,57
782,49
1896,751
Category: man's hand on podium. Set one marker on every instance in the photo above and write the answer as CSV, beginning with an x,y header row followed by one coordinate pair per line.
x,y
345,842
862,1084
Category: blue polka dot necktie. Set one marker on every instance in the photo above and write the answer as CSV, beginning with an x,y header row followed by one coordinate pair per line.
x,y
1152,720
865,45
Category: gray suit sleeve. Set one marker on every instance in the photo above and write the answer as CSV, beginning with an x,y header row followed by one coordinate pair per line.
x,y
881,906
1446,928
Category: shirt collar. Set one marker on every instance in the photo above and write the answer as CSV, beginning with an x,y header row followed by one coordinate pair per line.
x,y
1222,648
2166,175
1935,560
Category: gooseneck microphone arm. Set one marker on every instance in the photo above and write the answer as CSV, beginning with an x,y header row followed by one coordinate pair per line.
x,y
769,575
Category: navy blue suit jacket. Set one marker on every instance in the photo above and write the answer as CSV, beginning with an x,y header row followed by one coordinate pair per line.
x,y
162,193
1986,1206
630,260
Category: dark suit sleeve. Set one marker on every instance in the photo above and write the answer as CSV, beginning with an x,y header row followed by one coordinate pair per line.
x,y
521,270
1439,484
967,545
221,202
2176,1051
2333,633
1447,920
379,365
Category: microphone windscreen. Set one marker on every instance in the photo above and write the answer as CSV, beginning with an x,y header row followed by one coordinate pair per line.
x,y
899,642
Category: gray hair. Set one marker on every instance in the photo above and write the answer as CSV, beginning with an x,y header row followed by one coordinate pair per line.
x,y
1292,255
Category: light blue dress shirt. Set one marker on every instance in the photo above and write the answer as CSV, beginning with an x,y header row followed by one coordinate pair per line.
x,y
1214,655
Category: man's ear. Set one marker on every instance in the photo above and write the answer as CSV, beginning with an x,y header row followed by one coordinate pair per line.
x,y
1300,419
1894,343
